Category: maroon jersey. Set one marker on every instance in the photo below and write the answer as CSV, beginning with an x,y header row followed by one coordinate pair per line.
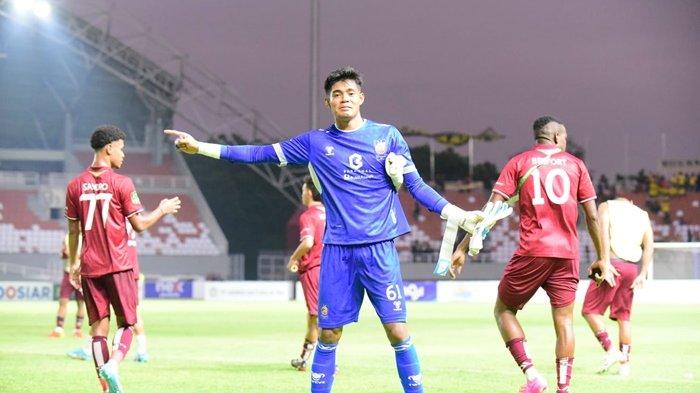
x,y
311,224
549,200
102,204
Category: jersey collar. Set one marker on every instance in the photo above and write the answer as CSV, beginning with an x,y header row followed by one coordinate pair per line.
x,y
99,168
364,123
546,148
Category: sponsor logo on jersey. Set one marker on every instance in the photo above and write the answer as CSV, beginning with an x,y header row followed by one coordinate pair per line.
x,y
355,161
330,151
95,187
356,172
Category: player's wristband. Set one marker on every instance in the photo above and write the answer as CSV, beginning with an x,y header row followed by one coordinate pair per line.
x,y
212,150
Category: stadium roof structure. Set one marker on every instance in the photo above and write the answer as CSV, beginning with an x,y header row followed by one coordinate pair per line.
x,y
172,87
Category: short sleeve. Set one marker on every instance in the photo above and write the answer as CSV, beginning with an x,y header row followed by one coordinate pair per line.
x,y
401,148
586,191
306,227
507,181
294,151
71,210
129,198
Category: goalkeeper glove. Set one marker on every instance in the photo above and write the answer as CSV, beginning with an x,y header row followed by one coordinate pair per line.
x,y
394,165
493,212
464,219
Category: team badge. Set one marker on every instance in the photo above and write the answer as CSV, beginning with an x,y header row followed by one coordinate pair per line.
x,y
380,148
135,198
324,310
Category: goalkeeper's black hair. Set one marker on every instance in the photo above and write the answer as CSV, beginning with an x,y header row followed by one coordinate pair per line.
x,y
539,125
104,135
315,195
342,74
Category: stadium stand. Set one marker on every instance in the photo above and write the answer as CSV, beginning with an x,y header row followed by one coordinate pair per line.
x,y
23,230
678,221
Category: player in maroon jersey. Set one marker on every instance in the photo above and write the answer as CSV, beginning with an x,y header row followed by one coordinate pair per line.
x,y
306,260
139,329
548,255
64,297
98,203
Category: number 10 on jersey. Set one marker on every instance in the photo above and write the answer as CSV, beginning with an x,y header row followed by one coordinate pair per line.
x,y
549,179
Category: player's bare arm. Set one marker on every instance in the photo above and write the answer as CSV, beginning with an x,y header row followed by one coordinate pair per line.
x,y
647,252
141,222
601,244
73,234
604,218
459,257
302,249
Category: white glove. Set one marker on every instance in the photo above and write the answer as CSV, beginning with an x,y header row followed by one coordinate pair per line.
x,y
493,212
464,219
394,165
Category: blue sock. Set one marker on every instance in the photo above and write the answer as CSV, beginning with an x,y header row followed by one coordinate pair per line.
x,y
408,366
323,368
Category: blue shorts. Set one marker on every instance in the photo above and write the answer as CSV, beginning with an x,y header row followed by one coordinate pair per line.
x,y
348,271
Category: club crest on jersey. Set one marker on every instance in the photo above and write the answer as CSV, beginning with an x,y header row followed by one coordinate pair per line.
x,y
324,310
380,148
330,151
397,305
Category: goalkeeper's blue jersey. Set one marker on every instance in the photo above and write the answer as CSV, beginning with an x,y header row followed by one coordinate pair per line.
x,y
362,205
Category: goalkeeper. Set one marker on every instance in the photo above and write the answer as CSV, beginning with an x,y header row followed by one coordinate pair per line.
x,y
348,161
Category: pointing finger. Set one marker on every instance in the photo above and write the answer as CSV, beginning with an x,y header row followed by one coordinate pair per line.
x,y
176,133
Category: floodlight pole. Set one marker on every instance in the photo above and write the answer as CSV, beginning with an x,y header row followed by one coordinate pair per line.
x,y
431,147
313,69
470,153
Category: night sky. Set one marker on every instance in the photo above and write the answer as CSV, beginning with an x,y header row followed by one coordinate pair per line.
x,y
606,68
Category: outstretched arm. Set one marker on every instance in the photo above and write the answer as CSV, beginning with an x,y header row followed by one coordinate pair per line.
x,y
142,222
242,154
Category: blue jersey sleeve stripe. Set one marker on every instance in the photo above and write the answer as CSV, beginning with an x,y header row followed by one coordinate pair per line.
x,y
280,154
314,178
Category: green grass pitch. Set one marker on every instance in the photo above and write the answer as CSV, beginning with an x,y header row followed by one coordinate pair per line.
x,y
211,347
